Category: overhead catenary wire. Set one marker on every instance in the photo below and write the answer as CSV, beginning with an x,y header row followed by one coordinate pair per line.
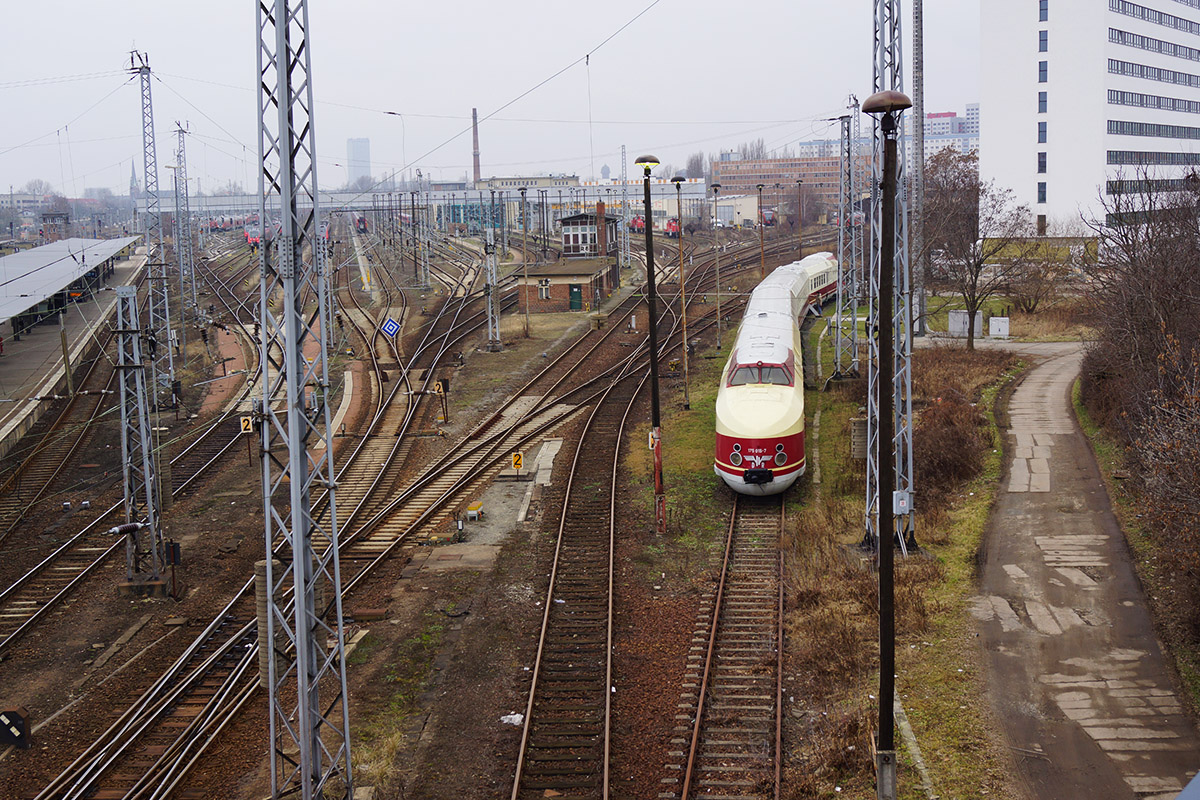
x,y
72,121
513,101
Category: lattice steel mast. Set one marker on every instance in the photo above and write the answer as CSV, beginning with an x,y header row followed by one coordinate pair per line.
x,y
889,74
625,253
309,718
845,322
489,289
159,307
144,554
187,263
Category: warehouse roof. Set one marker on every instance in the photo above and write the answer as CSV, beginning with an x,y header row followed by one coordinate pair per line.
x,y
31,276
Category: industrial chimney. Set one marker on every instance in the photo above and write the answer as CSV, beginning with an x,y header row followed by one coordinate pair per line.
x,y
475,142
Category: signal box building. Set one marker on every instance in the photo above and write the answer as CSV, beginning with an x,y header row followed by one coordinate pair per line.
x,y
590,235
568,285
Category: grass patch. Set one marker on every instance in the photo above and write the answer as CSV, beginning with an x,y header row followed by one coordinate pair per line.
x,y
402,677
1061,321
832,618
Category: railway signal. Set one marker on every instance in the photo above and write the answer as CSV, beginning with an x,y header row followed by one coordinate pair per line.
x,y
518,461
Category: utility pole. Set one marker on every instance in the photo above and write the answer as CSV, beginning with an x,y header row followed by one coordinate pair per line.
x,y
678,181
524,265
524,226
162,362
490,290
177,236
144,555
625,252
888,105
762,246
309,714
889,75
647,163
716,187
845,323
187,259
917,181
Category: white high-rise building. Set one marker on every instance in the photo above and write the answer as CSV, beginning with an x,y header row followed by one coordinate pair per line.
x,y
1084,98
358,159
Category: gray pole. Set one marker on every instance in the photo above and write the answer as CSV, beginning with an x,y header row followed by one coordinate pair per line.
x,y
886,103
309,713
716,187
920,257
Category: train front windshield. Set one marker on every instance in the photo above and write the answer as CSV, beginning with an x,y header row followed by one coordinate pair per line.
x,y
774,374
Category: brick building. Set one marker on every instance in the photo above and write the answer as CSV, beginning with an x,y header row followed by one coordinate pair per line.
x,y
821,175
568,285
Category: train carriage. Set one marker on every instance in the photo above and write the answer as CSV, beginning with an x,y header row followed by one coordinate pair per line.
x,y
760,404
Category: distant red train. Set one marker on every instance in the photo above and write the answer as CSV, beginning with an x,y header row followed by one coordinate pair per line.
x,y
671,229
360,225
637,224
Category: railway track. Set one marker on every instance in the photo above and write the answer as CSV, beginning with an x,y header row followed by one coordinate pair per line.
x,y
731,748
191,703
565,741
30,598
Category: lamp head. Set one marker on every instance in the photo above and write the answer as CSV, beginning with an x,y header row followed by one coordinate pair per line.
x,y
886,102
759,187
716,187
678,179
647,162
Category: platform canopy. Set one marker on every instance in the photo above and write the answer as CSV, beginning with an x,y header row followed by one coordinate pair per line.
x,y
33,276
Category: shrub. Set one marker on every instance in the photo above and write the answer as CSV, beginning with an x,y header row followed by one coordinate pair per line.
x,y
949,442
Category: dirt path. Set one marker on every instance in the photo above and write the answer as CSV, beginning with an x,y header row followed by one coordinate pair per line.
x,y
1075,670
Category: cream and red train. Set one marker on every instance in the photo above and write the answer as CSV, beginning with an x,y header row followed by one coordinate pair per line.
x,y
760,405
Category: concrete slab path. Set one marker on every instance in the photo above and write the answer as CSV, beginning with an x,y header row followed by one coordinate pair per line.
x,y
1075,672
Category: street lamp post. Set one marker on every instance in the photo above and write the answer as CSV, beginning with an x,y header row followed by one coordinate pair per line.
x,y
678,181
716,187
660,497
888,104
762,246
800,216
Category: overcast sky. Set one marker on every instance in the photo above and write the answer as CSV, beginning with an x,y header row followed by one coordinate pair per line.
x,y
688,75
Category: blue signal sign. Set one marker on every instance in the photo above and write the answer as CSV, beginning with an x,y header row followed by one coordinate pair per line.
x,y
390,327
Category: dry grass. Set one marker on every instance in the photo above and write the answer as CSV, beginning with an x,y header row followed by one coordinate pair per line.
x,y
1062,321
952,370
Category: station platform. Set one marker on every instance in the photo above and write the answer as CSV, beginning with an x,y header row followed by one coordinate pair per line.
x,y
31,367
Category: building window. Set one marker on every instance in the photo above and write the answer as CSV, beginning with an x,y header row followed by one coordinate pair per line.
x,y
1041,224
1041,163
544,289
1041,191
1043,67
1041,102
1041,133
1043,41
1043,10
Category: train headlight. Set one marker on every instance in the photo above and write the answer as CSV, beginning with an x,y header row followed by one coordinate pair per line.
x,y
736,457
780,458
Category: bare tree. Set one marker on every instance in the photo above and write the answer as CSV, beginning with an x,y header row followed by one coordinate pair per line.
x,y
697,165
1143,294
754,149
979,229
38,187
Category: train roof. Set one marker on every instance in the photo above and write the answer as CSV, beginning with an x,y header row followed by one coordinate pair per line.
x,y
767,325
